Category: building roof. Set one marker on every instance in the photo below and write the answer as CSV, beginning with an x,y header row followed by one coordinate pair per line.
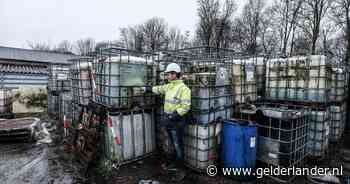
x,y
25,69
34,55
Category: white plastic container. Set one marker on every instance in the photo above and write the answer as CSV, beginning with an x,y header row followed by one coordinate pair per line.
x,y
318,133
308,73
206,117
116,75
136,133
337,122
201,143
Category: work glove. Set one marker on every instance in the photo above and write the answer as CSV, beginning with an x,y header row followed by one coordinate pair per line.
x,y
174,116
146,89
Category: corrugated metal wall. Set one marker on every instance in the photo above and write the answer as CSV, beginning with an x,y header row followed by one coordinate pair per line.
x,y
28,81
13,75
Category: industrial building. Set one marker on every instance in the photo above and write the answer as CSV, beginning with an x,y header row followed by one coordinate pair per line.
x,y
26,72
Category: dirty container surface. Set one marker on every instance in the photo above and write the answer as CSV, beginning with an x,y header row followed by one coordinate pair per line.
x,y
239,144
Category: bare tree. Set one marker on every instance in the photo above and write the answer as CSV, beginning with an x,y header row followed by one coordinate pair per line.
x,y
214,27
313,11
238,39
269,32
208,12
223,24
327,32
85,46
154,32
175,39
252,20
132,37
287,13
341,16
64,46
39,45
187,39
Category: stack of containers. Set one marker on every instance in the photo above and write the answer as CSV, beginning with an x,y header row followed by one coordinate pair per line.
x,y
129,114
304,80
245,79
260,70
211,100
338,97
82,85
211,92
209,79
5,102
318,134
282,138
207,73
59,83
201,145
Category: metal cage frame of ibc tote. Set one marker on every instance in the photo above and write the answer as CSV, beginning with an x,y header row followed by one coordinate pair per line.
x,y
203,144
218,97
82,92
7,114
82,88
302,72
294,151
55,83
189,59
246,83
116,137
339,81
109,64
56,86
53,105
211,90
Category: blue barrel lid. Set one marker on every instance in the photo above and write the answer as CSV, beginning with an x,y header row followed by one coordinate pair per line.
x,y
239,122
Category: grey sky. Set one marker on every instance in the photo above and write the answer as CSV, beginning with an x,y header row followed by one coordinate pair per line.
x,y
52,21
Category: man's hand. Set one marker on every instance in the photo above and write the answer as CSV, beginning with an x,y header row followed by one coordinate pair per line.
x,y
174,116
146,89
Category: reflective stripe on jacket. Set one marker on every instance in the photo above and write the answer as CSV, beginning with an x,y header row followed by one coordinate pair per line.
x,y
177,97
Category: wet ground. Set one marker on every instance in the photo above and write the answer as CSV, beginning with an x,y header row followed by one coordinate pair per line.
x,y
41,162
47,162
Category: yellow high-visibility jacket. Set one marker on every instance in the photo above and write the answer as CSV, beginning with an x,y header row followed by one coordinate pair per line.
x,y
177,97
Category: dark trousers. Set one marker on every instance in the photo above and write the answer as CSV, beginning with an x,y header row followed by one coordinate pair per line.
x,y
175,130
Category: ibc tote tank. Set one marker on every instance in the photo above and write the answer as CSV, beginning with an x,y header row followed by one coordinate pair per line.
x,y
239,144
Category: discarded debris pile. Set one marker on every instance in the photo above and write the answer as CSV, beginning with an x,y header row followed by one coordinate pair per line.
x,y
18,129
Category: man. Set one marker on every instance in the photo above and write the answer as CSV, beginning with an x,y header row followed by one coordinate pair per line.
x,y
177,103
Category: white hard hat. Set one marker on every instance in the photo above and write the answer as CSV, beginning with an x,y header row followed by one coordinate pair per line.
x,y
173,67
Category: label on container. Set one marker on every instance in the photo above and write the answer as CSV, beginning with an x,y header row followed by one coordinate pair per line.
x,y
272,155
249,73
252,142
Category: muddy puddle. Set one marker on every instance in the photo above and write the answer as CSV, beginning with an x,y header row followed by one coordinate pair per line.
x,y
42,162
